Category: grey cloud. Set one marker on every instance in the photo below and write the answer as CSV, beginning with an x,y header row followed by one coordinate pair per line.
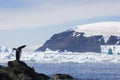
x,y
52,13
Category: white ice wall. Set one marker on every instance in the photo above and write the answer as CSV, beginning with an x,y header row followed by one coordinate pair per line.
x,y
115,49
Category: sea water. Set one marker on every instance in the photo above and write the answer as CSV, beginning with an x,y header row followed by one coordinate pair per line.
x,y
84,71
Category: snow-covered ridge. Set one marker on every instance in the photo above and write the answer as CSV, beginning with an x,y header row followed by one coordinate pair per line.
x,y
102,28
4,49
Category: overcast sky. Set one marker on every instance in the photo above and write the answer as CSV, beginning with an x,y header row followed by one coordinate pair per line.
x,y
32,22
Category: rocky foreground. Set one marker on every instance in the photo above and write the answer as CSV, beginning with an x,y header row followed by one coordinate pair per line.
x,y
18,70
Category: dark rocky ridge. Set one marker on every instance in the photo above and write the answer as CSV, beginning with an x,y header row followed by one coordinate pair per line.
x,y
77,42
18,70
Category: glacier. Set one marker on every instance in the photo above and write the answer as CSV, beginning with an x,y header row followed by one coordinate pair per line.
x,y
50,56
101,28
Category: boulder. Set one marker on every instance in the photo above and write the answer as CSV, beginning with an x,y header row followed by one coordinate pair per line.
x,y
42,76
18,70
62,77
25,72
17,67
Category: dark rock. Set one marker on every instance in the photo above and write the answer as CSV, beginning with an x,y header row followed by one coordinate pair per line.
x,y
25,72
113,40
24,76
62,77
8,72
17,67
42,76
4,76
18,70
77,42
74,42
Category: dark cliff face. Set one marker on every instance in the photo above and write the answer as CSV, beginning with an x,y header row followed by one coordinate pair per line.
x,y
113,40
75,42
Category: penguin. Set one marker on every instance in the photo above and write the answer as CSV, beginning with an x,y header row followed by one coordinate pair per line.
x,y
18,52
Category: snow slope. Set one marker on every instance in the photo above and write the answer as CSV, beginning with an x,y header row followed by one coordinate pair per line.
x,y
102,28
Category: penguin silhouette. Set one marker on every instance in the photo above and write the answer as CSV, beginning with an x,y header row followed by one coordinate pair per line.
x,y
18,52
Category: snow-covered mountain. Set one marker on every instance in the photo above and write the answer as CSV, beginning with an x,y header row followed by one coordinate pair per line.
x,y
102,28
4,49
85,38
